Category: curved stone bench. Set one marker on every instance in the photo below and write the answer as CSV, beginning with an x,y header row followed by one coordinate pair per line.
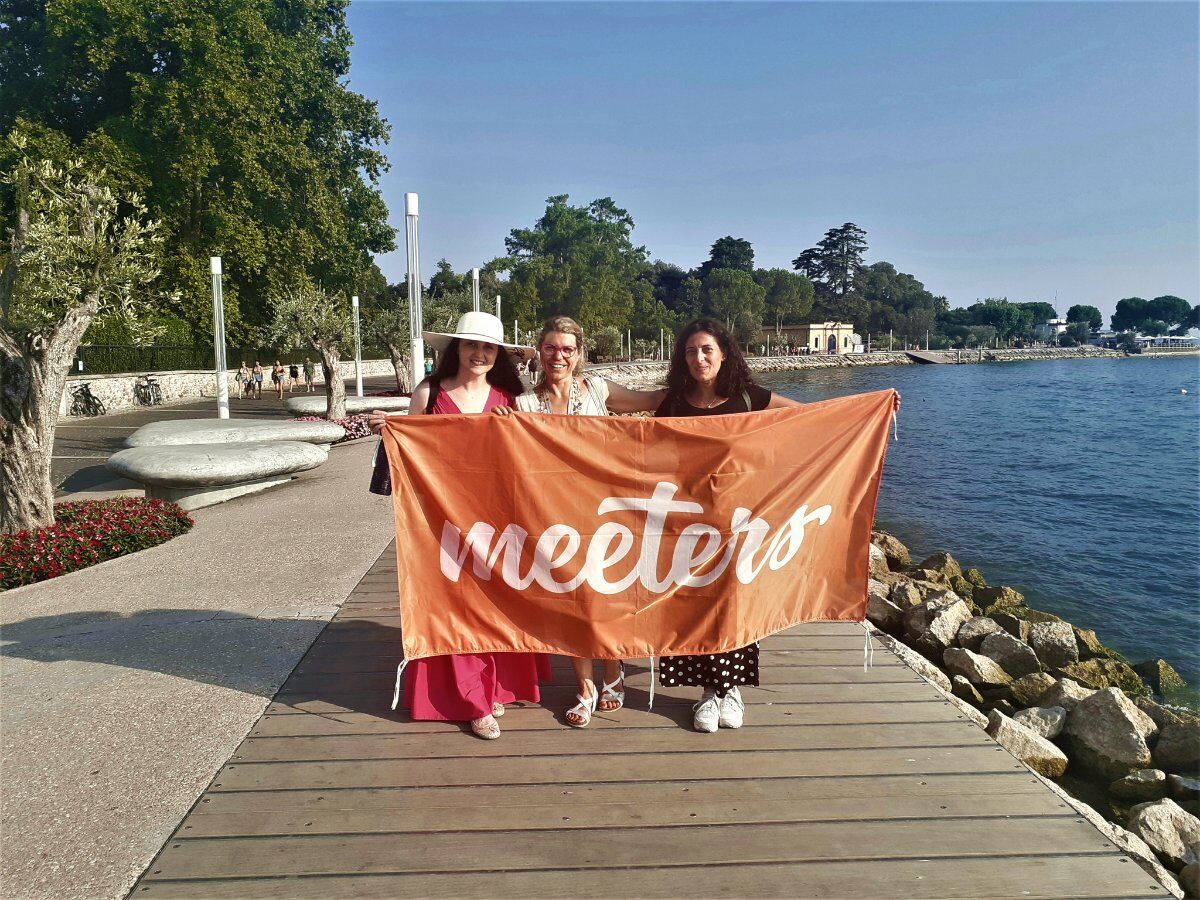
x,y
234,431
315,405
196,475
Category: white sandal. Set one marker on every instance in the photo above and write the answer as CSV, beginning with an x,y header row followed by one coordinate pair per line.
x,y
607,692
583,709
497,709
487,728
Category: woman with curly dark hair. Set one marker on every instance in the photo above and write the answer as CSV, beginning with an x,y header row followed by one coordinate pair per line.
x,y
709,377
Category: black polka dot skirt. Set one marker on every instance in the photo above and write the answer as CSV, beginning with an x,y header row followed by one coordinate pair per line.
x,y
717,671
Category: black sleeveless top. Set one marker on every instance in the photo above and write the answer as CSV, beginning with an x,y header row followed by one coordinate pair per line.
x,y
671,406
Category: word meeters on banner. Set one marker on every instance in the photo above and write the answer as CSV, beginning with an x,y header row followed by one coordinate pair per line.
x,y
696,560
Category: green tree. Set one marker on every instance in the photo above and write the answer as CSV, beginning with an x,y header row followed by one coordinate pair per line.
x,y
1083,313
385,321
1130,314
1079,331
789,296
79,253
232,118
649,314
1007,318
1172,311
735,297
1039,312
836,260
728,253
446,281
307,314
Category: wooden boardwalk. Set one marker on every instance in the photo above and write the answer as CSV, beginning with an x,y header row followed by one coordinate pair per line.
x,y
841,784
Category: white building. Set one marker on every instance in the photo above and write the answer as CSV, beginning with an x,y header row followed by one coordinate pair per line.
x,y
1049,331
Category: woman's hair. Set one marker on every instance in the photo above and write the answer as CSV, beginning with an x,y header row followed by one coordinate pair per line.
x,y
502,375
563,325
734,377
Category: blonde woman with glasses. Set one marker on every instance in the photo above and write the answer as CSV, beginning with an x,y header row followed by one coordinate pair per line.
x,y
563,389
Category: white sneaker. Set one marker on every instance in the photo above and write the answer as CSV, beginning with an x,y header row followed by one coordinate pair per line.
x,y
707,713
732,708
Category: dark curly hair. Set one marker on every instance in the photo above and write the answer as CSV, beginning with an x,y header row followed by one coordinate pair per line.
x,y
502,375
732,380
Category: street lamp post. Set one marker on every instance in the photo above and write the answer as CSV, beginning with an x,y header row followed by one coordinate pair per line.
x,y
219,339
497,306
475,289
412,244
357,349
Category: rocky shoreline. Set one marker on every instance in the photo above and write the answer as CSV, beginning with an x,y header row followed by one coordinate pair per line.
x,y
1097,729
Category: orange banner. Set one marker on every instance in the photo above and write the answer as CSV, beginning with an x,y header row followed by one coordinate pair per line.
x,y
618,537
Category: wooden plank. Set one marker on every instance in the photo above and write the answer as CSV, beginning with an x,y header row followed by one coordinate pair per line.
x,y
523,851
563,741
1053,876
633,814
796,790
471,769
533,718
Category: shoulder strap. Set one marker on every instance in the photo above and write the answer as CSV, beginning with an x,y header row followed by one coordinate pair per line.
x,y
746,400
434,387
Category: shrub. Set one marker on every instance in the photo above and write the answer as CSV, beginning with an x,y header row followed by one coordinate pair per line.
x,y
355,426
86,532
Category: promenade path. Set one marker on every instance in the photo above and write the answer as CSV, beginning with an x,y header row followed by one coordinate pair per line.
x,y
843,783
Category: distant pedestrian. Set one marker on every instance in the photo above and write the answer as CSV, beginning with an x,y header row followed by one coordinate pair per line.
x,y
243,379
293,376
309,373
277,373
428,367
258,379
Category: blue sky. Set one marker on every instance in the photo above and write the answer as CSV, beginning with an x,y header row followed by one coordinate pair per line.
x,y
990,149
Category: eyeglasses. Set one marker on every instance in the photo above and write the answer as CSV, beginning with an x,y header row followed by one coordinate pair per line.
x,y
551,349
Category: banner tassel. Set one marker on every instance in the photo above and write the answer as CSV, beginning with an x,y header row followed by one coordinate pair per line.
x,y
895,428
868,647
399,672
651,706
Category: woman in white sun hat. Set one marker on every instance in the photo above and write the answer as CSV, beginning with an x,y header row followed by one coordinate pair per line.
x,y
475,374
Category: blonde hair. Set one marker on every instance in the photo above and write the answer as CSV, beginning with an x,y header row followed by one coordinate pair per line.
x,y
563,325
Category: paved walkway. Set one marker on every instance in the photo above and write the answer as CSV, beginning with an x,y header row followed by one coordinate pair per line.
x,y
126,686
842,784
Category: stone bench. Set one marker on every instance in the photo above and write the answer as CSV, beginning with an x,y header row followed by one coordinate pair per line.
x,y
234,431
315,405
197,475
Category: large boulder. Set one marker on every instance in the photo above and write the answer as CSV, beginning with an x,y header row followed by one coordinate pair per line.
x,y
1002,595
933,625
1140,786
1089,645
905,594
917,663
975,577
1014,625
1182,787
879,566
974,630
1065,693
932,576
1013,656
1027,690
964,690
1189,879
979,670
1107,735
1031,748
1054,644
1172,832
1178,747
1104,673
962,587
1160,676
943,563
881,611
1048,721
894,551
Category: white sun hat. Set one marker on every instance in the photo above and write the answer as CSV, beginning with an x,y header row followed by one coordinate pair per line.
x,y
475,326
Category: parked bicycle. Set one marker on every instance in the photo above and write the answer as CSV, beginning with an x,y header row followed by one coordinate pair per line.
x,y
85,403
147,391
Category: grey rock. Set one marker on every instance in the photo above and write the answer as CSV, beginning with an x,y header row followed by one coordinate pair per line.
x,y
1107,734
917,663
1048,721
232,431
1018,628
1172,832
1065,693
897,554
1160,675
1028,690
1054,644
1031,748
1178,747
214,464
880,610
906,595
1141,785
964,690
974,630
933,625
943,563
1089,645
879,566
1183,787
1013,656
1005,595
979,670
315,405
1189,879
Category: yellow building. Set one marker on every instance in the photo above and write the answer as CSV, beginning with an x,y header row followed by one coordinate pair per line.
x,y
817,337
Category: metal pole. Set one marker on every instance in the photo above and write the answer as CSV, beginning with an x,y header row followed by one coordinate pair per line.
x,y
415,317
516,328
475,289
357,349
926,340
629,341
497,306
661,350
889,339
219,339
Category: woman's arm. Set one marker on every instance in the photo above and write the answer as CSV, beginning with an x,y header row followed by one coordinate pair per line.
x,y
624,400
779,402
416,407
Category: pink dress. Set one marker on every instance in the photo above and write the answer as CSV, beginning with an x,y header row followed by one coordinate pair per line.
x,y
464,686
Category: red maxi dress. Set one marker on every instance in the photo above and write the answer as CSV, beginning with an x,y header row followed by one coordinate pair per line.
x,y
464,686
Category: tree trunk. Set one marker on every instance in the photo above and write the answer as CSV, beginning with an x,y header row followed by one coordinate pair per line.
x,y
335,388
404,378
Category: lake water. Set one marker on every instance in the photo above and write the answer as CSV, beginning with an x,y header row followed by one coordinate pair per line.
x,y
1075,481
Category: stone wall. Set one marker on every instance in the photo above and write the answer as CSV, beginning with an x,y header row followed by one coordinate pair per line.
x,y
116,391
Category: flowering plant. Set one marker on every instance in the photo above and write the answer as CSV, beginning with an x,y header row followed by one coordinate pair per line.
x,y
355,426
86,532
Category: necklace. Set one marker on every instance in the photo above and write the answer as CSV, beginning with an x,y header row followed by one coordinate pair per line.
x,y
574,399
715,402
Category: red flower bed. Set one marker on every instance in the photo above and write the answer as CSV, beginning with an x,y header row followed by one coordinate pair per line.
x,y
356,426
86,532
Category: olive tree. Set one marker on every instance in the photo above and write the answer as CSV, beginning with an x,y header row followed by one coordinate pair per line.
x,y
387,323
77,252
306,314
